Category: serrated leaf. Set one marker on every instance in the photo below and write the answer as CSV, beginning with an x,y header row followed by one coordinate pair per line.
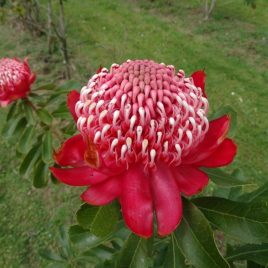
x,y
174,257
224,179
136,253
95,218
29,160
40,175
195,238
255,253
247,222
26,140
44,116
47,149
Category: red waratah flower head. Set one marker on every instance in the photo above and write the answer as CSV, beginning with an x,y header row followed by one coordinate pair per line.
x,y
15,80
144,136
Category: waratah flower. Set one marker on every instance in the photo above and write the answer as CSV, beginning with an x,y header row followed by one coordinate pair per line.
x,y
15,80
144,136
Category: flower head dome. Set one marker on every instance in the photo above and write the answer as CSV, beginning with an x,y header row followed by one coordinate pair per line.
x,y
15,80
142,112
144,135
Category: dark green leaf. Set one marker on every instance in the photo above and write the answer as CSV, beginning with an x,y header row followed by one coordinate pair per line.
x,y
84,239
26,140
45,87
29,113
244,221
255,253
30,160
224,179
19,129
10,127
251,264
136,253
40,175
100,220
259,195
12,111
174,257
47,148
49,255
44,116
195,238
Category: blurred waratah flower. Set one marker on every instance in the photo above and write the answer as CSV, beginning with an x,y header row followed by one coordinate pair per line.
x,y
15,80
144,136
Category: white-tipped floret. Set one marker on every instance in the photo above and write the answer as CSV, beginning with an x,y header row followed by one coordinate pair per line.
x,y
152,155
113,144
129,143
115,116
123,151
144,145
132,122
139,133
97,136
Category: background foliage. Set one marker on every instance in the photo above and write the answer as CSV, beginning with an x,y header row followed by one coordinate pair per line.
x,y
231,46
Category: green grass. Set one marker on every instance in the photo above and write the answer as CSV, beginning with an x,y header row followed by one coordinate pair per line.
x,y
231,46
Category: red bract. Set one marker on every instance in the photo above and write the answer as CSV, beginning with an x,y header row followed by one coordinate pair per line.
x,y
15,80
144,136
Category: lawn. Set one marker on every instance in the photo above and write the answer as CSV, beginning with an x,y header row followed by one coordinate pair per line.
x,y
232,47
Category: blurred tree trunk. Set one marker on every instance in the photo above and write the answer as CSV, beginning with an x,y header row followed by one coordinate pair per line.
x,y
49,27
61,34
209,8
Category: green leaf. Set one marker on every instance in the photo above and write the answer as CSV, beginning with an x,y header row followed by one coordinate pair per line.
x,y
174,257
224,179
255,253
99,220
49,255
195,238
26,140
40,175
10,127
259,195
251,264
19,129
44,116
30,160
47,149
12,111
232,113
136,253
29,113
84,239
247,222
45,87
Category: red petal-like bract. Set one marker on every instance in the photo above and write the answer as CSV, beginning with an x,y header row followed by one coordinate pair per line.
x,y
167,200
144,137
15,80
72,99
71,152
137,202
103,192
199,78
